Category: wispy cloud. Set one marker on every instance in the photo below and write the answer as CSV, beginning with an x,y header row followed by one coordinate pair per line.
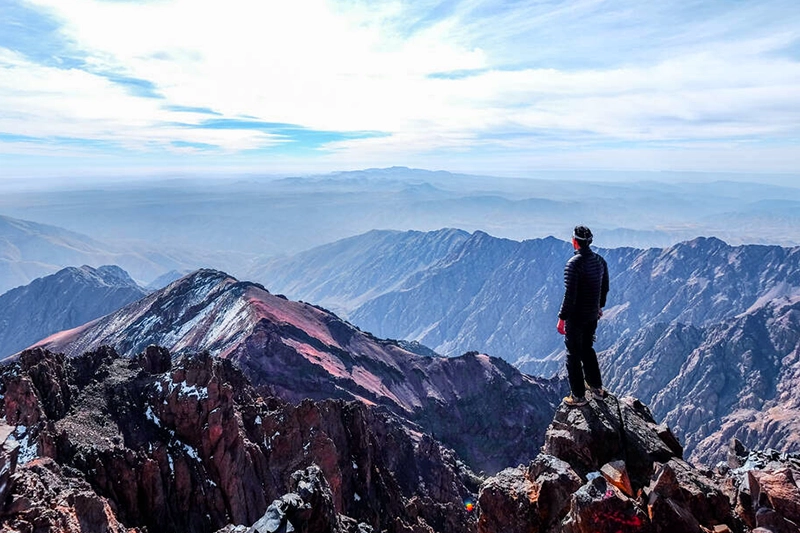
x,y
524,84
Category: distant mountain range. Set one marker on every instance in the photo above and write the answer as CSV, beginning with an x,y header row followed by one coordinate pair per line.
x,y
69,298
484,408
704,331
501,296
229,222
29,250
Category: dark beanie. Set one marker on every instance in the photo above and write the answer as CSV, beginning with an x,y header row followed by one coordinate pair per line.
x,y
583,235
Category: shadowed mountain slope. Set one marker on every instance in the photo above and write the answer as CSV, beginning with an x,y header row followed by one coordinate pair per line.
x,y
192,447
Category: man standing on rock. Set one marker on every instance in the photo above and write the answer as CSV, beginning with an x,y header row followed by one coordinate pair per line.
x,y
585,290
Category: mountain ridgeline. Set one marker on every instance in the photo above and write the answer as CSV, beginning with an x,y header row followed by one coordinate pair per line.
x,y
669,310
500,296
483,407
29,250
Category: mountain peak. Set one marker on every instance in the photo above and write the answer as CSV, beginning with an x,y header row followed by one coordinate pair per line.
x,y
297,350
66,299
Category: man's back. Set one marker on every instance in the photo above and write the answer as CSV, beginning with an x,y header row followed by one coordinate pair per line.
x,y
586,286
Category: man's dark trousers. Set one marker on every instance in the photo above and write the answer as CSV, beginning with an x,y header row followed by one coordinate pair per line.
x,y
581,357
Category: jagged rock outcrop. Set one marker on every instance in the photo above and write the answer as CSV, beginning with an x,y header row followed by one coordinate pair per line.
x,y
606,467
46,498
536,497
191,446
296,350
763,487
9,451
64,300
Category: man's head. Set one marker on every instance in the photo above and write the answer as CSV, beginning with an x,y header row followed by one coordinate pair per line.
x,y
581,237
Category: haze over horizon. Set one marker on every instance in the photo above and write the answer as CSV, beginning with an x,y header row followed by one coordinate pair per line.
x,y
107,88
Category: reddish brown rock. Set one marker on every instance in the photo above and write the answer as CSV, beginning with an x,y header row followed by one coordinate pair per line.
x,y
21,405
778,490
196,449
776,499
46,500
683,499
598,507
524,499
616,473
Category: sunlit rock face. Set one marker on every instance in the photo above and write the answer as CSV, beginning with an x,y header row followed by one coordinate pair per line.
x,y
609,467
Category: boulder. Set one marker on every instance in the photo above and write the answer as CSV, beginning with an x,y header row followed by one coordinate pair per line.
x,y
9,450
680,498
44,499
521,499
776,499
598,507
155,360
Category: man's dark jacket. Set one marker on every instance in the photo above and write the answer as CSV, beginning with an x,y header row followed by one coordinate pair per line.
x,y
586,286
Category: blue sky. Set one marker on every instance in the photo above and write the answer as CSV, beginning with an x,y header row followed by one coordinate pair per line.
x,y
480,86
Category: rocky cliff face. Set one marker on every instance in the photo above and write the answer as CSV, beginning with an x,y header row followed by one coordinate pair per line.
x,y
69,298
107,441
481,406
737,378
608,467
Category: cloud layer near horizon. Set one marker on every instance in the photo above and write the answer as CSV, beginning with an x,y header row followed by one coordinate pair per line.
x,y
467,85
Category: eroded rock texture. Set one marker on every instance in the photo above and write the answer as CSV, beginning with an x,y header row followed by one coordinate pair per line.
x,y
609,467
190,446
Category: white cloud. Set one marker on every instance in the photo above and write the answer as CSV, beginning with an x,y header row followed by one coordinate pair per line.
x,y
356,67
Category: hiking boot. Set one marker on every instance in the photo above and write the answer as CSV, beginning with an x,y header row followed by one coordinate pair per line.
x,y
598,393
575,401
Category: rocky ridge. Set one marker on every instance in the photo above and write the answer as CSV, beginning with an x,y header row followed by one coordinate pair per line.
x,y
609,467
481,406
103,441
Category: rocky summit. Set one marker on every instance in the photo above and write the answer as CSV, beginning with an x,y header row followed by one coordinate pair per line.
x,y
609,467
105,443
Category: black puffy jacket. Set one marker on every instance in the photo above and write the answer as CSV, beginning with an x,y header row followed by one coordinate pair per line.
x,y
585,286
